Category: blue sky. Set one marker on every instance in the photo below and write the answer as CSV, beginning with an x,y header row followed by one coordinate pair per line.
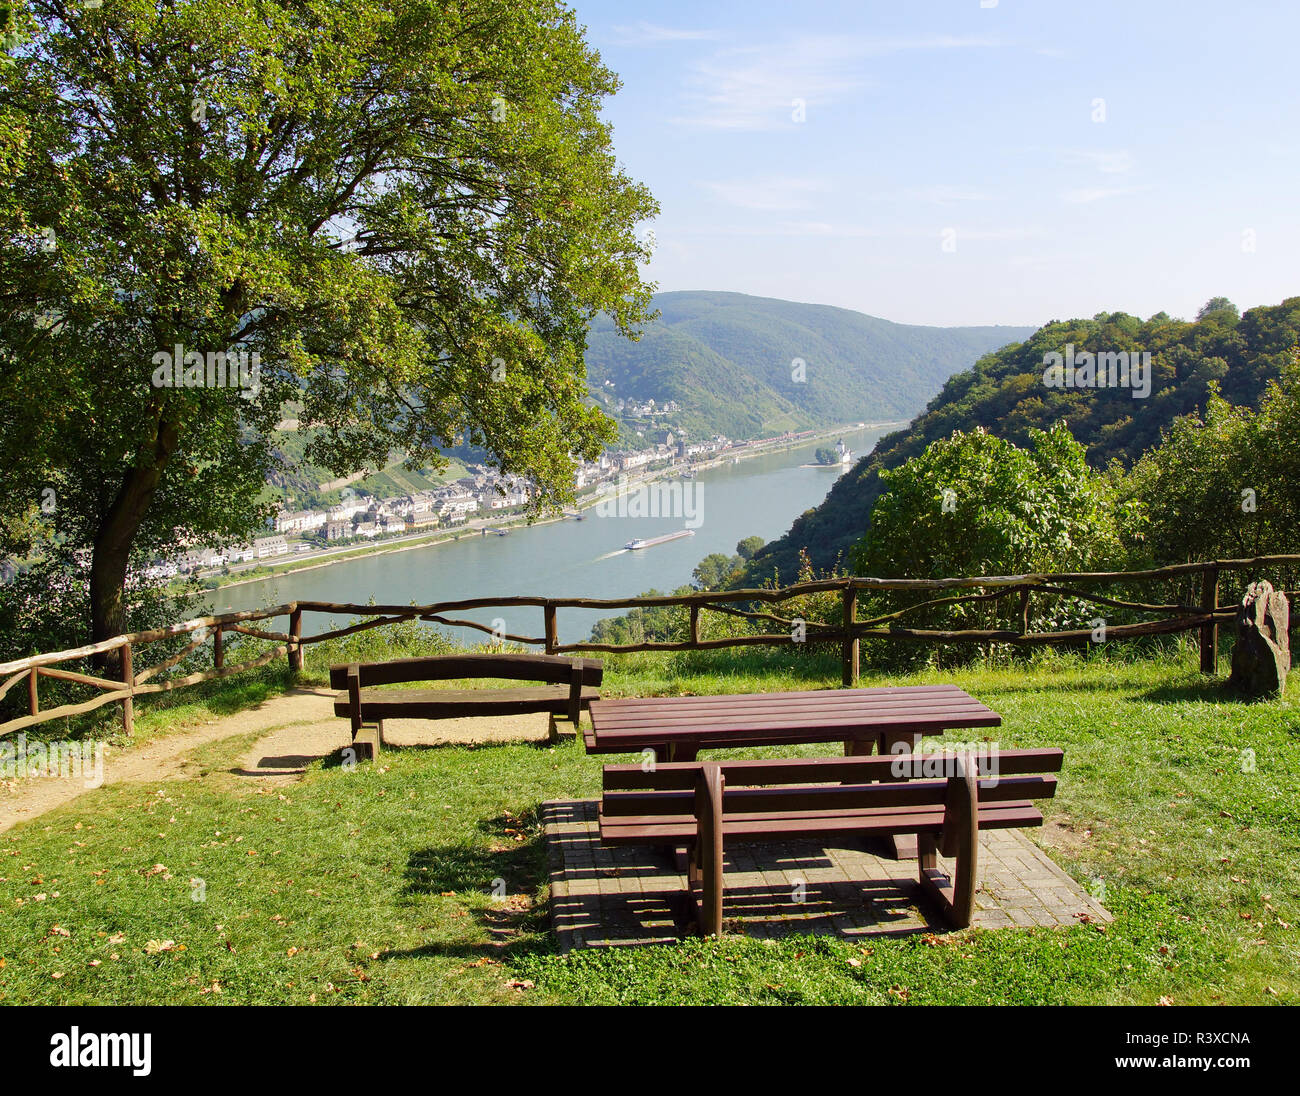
x,y
955,163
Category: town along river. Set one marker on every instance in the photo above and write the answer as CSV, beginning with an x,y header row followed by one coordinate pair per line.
x,y
759,495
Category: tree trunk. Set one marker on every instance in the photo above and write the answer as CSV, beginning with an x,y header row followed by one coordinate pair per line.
x,y
116,535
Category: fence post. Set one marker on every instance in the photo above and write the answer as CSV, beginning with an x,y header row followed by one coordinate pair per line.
x,y
695,623
851,646
1209,632
1024,610
218,649
128,679
295,645
551,641
33,700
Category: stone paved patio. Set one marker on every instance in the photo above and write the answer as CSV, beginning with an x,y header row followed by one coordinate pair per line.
x,y
603,896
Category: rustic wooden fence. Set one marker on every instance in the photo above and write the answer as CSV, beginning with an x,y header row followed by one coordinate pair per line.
x,y
1204,615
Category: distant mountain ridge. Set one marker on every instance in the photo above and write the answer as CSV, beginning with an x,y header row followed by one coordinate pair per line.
x,y
732,363
1004,393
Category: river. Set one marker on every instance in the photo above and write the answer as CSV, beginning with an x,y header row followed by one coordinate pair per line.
x,y
757,496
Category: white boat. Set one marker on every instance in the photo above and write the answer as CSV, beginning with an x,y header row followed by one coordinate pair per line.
x,y
634,545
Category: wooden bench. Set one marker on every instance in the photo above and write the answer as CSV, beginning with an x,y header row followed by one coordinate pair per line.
x,y
704,805
573,683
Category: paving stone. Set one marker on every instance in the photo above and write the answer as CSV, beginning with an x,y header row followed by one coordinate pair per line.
x,y
602,896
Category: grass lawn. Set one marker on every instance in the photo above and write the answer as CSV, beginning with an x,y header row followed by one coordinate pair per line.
x,y
375,884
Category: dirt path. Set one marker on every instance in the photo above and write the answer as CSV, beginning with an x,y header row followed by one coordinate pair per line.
x,y
301,728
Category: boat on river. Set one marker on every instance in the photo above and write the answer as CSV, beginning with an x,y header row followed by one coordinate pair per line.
x,y
636,545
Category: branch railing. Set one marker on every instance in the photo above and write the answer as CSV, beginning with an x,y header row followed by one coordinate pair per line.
x,y
1204,615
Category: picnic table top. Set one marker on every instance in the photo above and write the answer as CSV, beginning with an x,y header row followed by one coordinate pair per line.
x,y
759,719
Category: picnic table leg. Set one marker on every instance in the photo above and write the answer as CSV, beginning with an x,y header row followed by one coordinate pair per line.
x,y
904,844
677,751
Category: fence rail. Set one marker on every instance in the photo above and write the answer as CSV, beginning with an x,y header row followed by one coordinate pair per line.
x,y
1205,616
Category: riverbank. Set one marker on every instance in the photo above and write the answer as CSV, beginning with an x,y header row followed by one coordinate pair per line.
x,y
327,558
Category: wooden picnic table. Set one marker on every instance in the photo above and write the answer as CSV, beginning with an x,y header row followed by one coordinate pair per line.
x,y
676,728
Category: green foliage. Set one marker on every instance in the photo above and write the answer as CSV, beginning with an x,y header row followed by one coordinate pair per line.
x,y
1221,305
646,624
727,359
1005,395
382,199
1222,486
976,504
747,548
714,570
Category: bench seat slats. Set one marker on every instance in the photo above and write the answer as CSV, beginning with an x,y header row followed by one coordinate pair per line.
x,y
682,775
844,797
681,830
453,703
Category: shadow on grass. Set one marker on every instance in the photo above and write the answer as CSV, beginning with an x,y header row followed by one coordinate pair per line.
x,y
501,951
1207,690
507,874
1188,688
334,759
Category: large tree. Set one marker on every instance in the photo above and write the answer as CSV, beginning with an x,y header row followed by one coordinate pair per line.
x,y
410,210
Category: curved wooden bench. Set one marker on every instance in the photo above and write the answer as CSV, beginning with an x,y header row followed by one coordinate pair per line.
x,y
573,683
704,805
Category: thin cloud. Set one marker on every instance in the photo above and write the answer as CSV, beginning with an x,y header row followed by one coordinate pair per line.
x,y
768,195
760,87
651,34
1087,195
772,228
1107,161
933,194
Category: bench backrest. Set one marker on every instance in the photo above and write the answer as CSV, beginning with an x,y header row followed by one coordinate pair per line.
x,y
791,784
553,669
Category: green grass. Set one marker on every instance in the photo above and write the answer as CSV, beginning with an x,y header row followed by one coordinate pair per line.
x,y
374,884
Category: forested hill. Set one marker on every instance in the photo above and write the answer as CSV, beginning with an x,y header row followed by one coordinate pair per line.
x,y
1005,393
730,363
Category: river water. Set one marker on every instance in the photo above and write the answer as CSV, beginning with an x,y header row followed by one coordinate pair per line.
x,y
757,496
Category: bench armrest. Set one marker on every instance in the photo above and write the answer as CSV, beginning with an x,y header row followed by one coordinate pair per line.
x,y
354,697
575,692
